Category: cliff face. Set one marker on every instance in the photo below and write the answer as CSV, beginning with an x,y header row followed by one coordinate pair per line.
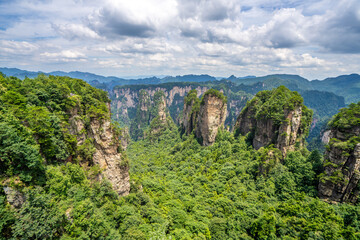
x,y
341,176
211,117
125,100
160,117
205,117
190,112
275,117
99,139
151,114
142,118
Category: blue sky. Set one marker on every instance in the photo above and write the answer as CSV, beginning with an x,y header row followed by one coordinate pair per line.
x,y
314,39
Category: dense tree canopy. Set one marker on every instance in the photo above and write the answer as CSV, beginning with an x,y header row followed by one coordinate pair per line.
x,y
179,189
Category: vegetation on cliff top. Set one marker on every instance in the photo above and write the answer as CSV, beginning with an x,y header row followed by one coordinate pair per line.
x,y
180,189
34,115
273,105
347,118
216,93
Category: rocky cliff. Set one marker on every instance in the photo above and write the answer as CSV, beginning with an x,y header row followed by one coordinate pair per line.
x,y
142,118
190,112
125,100
99,144
341,177
152,115
276,117
160,117
204,117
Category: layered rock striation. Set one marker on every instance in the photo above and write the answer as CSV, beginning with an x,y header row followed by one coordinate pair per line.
x,y
341,177
204,117
160,117
277,117
152,115
125,100
99,144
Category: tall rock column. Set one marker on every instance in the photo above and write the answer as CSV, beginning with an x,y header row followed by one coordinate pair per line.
x,y
276,117
211,116
190,112
142,118
204,117
159,115
102,146
341,177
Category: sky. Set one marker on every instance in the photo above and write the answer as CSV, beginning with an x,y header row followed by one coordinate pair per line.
x,y
312,38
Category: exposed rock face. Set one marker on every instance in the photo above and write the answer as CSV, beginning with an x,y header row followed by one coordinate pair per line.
x,y
190,112
105,149
286,128
325,138
143,117
211,117
151,112
161,109
125,100
160,117
125,138
206,117
341,177
14,197
189,118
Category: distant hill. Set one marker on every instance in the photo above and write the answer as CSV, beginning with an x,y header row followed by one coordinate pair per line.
x,y
347,86
293,82
110,81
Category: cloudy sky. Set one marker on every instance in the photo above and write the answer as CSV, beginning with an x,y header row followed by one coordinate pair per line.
x,y
312,38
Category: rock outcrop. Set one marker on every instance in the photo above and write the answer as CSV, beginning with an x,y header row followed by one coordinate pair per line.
x,y
102,147
152,115
159,116
341,177
14,197
125,100
205,117
276,117
211,117
190,112
142,118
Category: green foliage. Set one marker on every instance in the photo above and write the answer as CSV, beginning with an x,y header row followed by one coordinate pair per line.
x,y
34,122
180,189
219,188
87,149
216,93
272,104
7,218
19,153
39,218
192,99
303,172
347,118
142,118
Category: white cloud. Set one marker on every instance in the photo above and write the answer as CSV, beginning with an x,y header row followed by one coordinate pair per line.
x,y
220,37
64,56
17,47
75,31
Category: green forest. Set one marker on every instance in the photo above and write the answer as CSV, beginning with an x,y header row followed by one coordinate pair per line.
x,y
178,188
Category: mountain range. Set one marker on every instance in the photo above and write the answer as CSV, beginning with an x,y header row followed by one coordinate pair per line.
x,y
347,86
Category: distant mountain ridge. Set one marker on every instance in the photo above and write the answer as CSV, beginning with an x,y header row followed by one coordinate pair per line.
x,y
111,80
347,86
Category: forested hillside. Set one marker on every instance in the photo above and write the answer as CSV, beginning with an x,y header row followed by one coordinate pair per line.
x,y
64,174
